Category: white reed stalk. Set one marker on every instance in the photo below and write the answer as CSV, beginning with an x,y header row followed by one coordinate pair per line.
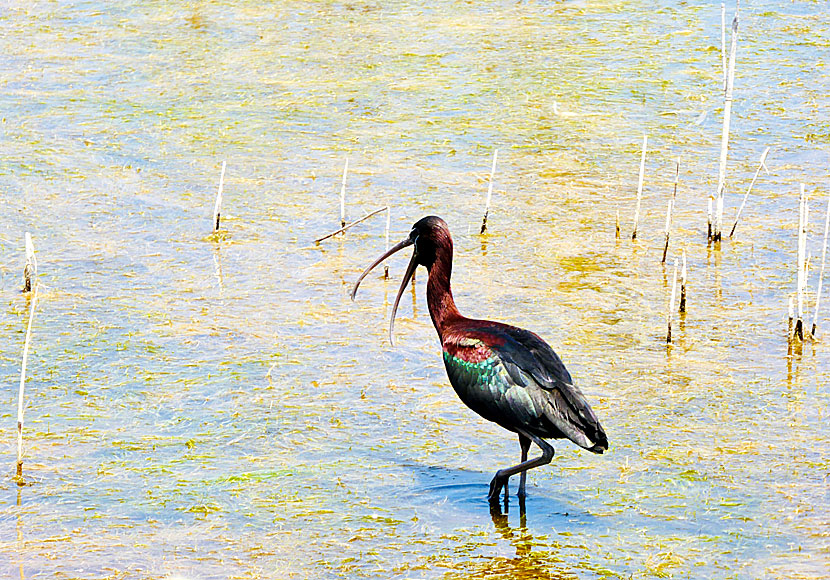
x,y
489,192
386,233
723,41
668,229
30,269
20,407
670,210
802,261
821,272
343,194
709,220
761,165
671,302
727,117
217,207
640,186
683,284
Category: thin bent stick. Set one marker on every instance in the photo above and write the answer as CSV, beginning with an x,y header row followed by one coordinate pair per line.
x,y
669,212
218,205
761,165
354,223
23,383
640,186
489,193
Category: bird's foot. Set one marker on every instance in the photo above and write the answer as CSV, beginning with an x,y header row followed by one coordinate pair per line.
x,y
499,482
496,486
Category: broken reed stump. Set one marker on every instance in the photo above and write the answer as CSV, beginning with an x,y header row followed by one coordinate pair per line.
x,y
640,187
354,223
489,193
683,285
617,226
30,269
217,207
727,117
821,272
343,195
670,313
20,406
761,165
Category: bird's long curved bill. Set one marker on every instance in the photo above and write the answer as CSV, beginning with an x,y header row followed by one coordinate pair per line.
x,y
410,270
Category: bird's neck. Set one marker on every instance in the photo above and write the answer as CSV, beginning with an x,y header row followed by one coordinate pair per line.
x,y
441,305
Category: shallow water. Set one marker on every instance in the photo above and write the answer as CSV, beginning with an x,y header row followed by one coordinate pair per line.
x,y
216,407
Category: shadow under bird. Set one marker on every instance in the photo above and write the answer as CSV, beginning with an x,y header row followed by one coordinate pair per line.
x,y
506,374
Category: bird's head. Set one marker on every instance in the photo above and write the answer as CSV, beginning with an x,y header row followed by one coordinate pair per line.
x,y
427,236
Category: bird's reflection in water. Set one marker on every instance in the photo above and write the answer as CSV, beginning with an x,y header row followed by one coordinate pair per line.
x,y
528,563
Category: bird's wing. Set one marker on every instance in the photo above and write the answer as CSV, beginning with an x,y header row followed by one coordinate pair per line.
x,y
482,382
530,361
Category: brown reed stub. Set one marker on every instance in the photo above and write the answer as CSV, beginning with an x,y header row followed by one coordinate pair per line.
x,y
617,226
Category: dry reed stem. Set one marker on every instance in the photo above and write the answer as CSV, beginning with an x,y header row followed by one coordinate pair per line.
x,y
20,407
761,165
640,187
343,195
821,272
617,226
30,269
670,210
489,192
709,220
670,313
801,258
727,118
354,223
790,316
217,207
683,284
723,42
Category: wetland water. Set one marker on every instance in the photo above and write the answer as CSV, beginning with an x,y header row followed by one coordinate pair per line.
x,y
219,408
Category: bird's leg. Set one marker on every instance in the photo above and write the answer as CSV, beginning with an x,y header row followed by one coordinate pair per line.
x,y
525,444
502,475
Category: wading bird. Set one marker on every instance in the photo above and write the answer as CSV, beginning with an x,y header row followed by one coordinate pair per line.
x,y
506,374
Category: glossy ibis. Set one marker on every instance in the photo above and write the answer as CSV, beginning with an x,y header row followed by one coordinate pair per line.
x,y
506,374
